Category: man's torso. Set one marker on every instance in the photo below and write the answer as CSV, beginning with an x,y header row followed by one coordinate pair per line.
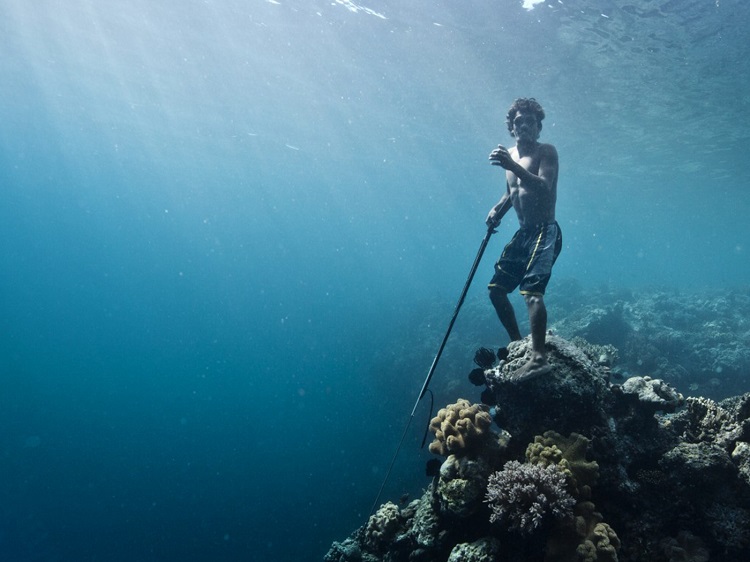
x,y
533,206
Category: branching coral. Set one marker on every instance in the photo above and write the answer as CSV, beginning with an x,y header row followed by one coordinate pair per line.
x,y
706,420
525,494
459,427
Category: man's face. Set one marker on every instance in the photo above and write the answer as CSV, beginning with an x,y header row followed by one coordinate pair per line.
x,y
525,127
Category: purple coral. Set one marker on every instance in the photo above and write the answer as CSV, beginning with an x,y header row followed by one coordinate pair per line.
x,y
523,494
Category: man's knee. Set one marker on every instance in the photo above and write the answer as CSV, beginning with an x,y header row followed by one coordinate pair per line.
x,y
534,300
498,295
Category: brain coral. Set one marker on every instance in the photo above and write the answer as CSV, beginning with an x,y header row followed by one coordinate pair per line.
x,y
459,427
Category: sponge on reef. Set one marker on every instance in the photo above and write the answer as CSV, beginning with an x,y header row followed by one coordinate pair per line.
x,y
459,428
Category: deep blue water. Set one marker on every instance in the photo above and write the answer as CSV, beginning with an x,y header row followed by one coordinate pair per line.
x,y
223,224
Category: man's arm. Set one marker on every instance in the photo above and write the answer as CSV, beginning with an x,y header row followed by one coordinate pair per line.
x,y
548,167
498,211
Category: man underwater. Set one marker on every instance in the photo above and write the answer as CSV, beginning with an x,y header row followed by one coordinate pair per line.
x,y
527,260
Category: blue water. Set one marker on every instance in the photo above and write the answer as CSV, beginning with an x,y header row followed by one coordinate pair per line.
x,y
227,226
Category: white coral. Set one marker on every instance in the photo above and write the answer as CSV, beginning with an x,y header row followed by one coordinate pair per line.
x,y
524,494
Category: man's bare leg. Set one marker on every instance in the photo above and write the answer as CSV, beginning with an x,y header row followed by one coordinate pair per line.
x,y
538,364
505,312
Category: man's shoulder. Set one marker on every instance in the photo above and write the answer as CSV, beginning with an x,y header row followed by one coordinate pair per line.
x,y
547,146
541,148
546,149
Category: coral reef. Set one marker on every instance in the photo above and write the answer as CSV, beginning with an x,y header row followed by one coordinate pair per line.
x,y
568,454
741,457
686,547
524,495
653,394
723,422
641,475
729,526
580,384
460,427
695,341
483,550
461,485
585,537
382,526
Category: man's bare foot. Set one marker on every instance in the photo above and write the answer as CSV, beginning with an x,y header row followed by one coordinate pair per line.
x,y
536,367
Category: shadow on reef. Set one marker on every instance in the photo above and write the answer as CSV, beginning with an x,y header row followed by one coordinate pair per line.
x,y
570,467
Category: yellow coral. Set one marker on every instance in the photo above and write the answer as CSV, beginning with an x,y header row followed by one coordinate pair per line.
x,y
459,427
585,539
607,542
569,454
600,545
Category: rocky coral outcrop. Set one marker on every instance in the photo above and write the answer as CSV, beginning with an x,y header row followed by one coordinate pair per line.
x,y
724,423
653,395
483,550
461,485
578,384
649,484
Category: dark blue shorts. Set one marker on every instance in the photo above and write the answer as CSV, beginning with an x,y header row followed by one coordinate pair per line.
x,y
527,260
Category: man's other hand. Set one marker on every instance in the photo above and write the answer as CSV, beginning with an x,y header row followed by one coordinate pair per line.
x,y
501,157
493,219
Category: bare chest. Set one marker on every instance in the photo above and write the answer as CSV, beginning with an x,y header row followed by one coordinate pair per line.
x,y
528,163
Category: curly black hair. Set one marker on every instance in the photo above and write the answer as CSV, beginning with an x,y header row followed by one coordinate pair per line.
x,y
529,105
